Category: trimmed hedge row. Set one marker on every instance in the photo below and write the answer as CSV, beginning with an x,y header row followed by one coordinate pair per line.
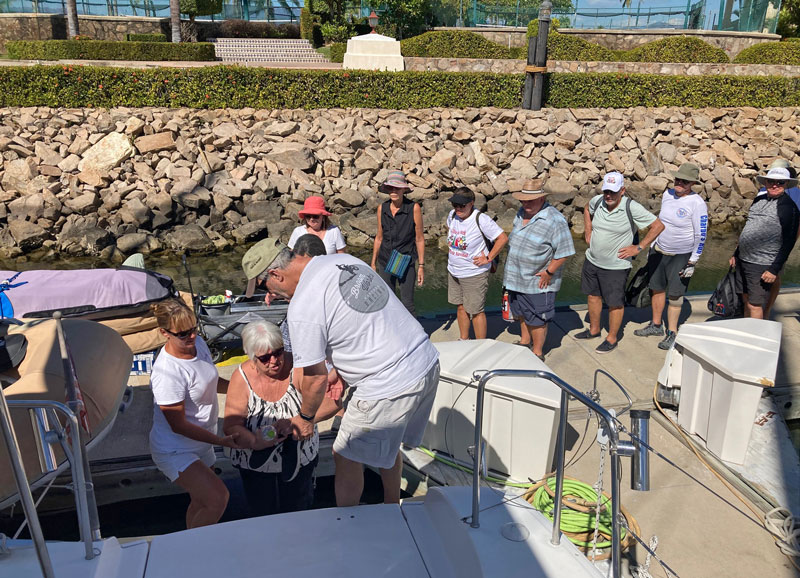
x,y
235,28
675,49
130,37
108,50
235,87
770,53
463,44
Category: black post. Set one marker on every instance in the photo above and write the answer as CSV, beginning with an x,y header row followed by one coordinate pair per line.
x,y
527,95
541,53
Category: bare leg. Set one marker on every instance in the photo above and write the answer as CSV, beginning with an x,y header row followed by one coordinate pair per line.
x,y
524,334
539,334
773,295
657,300
391,481
615,315
463,322
755,311
208,495
479,325
746,304
349,481
673,315
595,309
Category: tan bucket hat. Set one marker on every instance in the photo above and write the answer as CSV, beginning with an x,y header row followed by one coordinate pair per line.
x,y
532,189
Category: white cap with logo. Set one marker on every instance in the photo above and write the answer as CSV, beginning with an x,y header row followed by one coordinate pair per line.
x,y
613,182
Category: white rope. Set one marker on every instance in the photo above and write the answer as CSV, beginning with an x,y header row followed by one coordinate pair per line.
x,y
598,487
786,529
644,571
36,505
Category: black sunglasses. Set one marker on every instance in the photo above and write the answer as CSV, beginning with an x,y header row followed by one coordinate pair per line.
x,y
183,334
772,183
265,358
458,205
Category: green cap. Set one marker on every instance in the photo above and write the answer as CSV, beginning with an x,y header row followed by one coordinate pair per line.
x,y
258,259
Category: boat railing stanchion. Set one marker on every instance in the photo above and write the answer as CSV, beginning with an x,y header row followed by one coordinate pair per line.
x,y
615,449
24,488
90,526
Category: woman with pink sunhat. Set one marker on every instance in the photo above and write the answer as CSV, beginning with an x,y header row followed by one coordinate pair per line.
x,y
314,219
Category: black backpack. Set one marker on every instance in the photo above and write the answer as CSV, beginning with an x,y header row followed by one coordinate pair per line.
x,y
725,301
637,293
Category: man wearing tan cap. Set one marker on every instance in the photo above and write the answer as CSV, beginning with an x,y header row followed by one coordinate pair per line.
x,y
538,246
340,307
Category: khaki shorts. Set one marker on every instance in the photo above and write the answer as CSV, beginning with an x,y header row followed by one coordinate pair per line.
x,y
372,430
468,291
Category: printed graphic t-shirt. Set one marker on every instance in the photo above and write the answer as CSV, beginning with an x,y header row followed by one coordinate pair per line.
x,y
465,242
343,311
192,381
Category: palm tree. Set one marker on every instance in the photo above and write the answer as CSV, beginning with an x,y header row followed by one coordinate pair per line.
x,y
72,18
175,19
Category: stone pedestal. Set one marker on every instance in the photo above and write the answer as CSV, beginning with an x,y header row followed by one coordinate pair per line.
x,y
373,52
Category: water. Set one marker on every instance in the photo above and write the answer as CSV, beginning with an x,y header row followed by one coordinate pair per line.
x,y
211,275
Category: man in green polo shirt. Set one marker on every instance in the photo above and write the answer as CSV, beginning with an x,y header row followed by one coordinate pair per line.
x,y
611,221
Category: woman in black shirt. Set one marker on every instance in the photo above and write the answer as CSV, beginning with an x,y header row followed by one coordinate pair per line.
x,y
400,229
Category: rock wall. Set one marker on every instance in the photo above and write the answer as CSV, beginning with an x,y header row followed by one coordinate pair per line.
x,y
114,182
674,68
54,26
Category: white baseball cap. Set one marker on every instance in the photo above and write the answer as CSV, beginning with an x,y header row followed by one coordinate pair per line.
x,y
613,182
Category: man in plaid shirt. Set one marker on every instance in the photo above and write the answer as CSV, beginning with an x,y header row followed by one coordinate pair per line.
x,y
538,245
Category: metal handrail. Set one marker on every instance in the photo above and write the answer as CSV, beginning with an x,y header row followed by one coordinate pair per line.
x,y
613,444
76,459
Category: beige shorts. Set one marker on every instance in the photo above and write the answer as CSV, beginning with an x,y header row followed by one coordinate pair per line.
x,y
468,291
372,430
173,463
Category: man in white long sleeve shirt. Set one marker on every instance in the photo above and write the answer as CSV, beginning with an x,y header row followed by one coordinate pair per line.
x,y
676,251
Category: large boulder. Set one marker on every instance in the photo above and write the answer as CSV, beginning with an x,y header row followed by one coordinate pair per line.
x,y
190,238
107,154
293,155
28,236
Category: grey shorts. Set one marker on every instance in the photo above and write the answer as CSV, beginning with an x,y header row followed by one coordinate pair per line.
x,y
536,309
748,281
372,430
468,291
664,272
609,284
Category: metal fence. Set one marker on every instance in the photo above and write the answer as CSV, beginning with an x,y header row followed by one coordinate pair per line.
x,y
277,11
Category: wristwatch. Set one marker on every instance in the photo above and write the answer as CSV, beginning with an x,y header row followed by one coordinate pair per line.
x,y
305,417
639,248
548,272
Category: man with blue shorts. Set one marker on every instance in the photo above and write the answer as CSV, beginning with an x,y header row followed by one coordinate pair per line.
x,y
538,246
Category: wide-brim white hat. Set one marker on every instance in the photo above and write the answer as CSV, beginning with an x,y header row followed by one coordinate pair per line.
x,y
777,174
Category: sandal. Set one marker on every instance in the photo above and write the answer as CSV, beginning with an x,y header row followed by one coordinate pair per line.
x,y
519,342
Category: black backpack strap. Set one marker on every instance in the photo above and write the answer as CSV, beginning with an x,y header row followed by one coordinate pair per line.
x,y
489,244
634,228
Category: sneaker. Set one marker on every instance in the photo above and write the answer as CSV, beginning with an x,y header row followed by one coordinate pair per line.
x,y
605,347
290,459
651,329
668,341
586,334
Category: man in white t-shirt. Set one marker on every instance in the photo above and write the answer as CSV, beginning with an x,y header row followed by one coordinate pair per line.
x,y
469,260
342,310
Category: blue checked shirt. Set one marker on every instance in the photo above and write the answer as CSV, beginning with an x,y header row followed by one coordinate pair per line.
x,y
531,247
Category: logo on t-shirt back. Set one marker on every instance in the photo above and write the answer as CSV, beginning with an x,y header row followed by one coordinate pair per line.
x,y
362,289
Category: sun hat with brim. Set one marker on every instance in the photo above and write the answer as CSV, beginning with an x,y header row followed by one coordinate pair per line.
x,y
531,190
687,172
313,206
462,197
777,174
258,259
396,180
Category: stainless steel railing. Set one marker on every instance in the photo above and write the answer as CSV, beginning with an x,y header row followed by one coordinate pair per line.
x,y
615,450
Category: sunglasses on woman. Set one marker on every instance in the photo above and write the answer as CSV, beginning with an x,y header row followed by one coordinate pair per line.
x,y
183,334
267,357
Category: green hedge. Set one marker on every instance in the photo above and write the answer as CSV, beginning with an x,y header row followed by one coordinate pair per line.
x,y
310,28
108,50
146,37
614,90
337,51
675,49
236,87
453,44
235,28
770,53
